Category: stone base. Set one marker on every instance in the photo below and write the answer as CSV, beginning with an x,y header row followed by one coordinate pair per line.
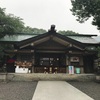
x,y
97,78
52,77
3,76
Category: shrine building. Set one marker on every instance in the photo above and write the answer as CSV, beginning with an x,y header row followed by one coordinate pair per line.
x,y
50,52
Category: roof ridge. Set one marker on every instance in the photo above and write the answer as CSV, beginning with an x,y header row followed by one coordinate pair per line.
x,y
88,35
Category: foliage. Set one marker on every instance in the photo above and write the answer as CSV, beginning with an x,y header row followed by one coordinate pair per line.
x,y
9,24
33,30
84,9
6,47
67,32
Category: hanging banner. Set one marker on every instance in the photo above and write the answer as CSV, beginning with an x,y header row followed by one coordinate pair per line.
x,y
71,69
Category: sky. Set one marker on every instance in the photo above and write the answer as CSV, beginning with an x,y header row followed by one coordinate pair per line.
x,y
44,13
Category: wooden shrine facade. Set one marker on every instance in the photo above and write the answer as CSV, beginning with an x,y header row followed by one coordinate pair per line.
x,y
52,52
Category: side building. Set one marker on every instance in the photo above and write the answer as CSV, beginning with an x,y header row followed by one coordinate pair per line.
x,y
50,52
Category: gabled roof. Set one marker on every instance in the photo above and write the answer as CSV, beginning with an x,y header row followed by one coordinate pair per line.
x,y
23,39
51,34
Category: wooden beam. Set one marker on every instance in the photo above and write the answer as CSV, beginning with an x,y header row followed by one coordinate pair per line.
x,y
36,42
65,43
41,40
45,51
77,47
19,51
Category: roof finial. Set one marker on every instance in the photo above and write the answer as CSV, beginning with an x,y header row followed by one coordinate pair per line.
x,y
52,29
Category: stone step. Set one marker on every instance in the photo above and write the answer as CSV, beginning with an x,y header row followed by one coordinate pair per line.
x,y
41,76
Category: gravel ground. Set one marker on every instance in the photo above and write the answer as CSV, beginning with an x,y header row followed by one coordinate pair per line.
x,y
90,88
17,90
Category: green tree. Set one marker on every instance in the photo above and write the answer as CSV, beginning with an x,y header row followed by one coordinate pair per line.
x,y
67,32
84,9
9,24
31,30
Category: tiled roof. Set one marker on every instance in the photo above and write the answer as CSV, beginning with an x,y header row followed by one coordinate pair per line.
x,y
16,38
84,39
97,38
21,37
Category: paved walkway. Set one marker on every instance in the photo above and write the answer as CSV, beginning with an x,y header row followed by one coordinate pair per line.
x,y
58,90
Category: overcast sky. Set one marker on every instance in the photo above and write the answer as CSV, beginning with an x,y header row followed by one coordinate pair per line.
x,y
44,13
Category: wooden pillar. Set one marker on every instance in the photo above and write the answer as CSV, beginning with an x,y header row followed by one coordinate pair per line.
x,y
67,63
33,62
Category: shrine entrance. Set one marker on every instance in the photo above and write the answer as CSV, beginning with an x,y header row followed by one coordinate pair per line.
x,y
50,63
